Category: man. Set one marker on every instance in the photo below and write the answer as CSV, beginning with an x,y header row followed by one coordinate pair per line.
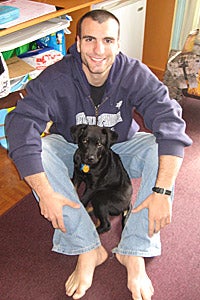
x,y
96,84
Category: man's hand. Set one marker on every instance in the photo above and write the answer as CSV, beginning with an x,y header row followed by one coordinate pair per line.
x,y
160,211
51,207
51,203
159,205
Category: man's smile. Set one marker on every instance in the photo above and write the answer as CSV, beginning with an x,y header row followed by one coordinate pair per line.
x,y
96,59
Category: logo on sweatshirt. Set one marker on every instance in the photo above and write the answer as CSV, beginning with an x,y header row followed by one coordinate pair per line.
x,y
104,120
119,104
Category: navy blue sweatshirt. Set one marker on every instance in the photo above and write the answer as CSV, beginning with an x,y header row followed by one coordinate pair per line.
x,y
62,94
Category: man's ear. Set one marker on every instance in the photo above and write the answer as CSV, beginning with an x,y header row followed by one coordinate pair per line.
x,y
111,136
78,41
119,46
76,131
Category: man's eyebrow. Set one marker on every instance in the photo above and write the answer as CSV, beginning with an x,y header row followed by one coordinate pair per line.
x,y
88,37
109,38
93,37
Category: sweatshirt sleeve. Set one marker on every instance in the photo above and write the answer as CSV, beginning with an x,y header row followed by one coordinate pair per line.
x,y
162,115
24,126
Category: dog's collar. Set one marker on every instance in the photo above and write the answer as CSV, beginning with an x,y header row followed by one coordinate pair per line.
x,y
85,168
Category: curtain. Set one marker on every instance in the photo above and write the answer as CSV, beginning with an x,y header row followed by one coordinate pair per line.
x,y
186,19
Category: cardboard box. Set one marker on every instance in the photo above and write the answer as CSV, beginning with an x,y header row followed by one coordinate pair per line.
x,y
17,67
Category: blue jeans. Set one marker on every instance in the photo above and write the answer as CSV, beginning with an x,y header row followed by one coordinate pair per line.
x,y
140,158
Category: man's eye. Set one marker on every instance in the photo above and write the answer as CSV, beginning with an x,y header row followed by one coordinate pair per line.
x,y
89,39
108,41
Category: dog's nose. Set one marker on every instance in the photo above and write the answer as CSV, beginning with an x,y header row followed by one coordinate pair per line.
x,y
91,158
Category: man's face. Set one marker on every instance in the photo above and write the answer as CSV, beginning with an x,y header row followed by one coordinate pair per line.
x,y
98,46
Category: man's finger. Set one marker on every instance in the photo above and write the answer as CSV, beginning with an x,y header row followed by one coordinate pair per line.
x,y
139,207
62,228
163,223
58,224
151,227
71,204
54,223
157,226
168,220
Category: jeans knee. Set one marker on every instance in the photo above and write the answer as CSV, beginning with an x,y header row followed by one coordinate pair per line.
x,y
152,154
48,143
46,154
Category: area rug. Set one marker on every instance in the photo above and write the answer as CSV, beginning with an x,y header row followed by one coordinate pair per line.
x,y
30,270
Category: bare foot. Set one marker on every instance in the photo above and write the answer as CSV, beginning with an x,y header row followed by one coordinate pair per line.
x,y
81,279
138,282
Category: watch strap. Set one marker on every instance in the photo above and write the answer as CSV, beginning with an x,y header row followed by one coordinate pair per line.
x,y
161,191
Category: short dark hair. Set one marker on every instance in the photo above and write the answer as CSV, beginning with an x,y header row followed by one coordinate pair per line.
x,y
99,15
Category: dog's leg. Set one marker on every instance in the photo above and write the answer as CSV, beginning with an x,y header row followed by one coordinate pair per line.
x,y
87,196
85,200
76,180
104,225
101,213
125,215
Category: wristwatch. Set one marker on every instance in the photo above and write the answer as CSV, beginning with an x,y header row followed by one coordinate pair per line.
x,y
161,191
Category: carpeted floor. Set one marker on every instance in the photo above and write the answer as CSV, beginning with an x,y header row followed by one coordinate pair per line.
x,y
29,270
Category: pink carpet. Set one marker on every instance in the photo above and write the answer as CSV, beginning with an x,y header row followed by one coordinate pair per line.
x,y
29,270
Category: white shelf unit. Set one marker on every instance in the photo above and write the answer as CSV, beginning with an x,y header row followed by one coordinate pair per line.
x,y
32,33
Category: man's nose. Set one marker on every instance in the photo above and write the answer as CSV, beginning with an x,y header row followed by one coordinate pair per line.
x,y
99,47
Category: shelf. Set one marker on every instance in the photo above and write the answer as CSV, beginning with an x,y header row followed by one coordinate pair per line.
x,y
64,7
32,33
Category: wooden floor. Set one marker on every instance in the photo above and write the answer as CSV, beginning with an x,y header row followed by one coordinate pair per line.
x,y
12,189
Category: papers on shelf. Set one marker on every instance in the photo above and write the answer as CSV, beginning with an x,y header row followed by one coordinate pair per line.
x,y
28,10
42,60
32,33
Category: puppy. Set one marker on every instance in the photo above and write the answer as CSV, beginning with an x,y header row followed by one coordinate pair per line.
x,y
108,186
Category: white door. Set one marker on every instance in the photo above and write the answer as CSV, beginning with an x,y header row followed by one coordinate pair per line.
x,y
131,15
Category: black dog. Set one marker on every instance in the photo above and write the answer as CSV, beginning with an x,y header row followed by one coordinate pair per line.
x,y
108,186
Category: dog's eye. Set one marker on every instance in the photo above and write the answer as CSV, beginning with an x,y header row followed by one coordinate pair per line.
x,y
84,141
99,144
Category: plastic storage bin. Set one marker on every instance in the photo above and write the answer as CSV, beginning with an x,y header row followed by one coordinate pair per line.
x,y
8,13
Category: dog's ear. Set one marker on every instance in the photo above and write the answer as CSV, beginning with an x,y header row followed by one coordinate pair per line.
x,y
76,131
111,136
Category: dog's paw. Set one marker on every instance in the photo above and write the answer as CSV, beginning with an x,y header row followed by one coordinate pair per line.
x,y
90,210
102,229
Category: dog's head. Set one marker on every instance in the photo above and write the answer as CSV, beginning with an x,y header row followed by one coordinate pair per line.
x,y
93,141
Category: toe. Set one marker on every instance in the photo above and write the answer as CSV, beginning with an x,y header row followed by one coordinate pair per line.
x,y
79,293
